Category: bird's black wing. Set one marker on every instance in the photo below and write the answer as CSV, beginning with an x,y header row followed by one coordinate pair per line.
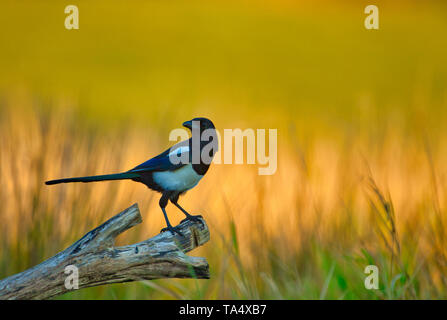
x,y
163,162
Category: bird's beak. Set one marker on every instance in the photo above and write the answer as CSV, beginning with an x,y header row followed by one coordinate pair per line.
x,y
188,124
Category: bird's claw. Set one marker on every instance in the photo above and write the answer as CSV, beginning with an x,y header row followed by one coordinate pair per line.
x,y
197,218
173,230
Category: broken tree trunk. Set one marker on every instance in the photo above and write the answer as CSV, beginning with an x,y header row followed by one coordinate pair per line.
x,y
99,262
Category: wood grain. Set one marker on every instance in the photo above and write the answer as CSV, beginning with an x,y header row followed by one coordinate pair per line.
x,y
99,262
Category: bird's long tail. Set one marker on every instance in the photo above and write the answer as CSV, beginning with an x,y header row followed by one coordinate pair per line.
x,y
116,176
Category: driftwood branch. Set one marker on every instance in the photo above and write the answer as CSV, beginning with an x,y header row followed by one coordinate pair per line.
x,y
99,262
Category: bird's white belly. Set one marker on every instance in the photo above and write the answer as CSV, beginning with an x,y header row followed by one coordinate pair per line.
x,y
182,179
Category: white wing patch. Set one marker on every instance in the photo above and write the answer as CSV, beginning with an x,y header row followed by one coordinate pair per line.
x,y
179,151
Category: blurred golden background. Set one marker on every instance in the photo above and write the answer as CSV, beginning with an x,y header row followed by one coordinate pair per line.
x,y
362,149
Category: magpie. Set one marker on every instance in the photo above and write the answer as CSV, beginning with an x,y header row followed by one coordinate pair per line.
x,y
173,172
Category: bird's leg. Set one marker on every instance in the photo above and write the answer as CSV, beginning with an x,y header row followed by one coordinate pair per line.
x,y
169,227
189,216
163,203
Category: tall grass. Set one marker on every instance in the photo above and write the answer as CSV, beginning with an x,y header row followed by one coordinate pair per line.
x,y
307,232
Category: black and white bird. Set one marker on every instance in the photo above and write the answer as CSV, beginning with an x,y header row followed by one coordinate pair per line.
x,y
173,172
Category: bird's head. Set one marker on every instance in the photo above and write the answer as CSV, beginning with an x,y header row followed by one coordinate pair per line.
x,y
199,123
206,135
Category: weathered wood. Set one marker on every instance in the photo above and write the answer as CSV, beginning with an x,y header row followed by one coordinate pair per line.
x,y
100,262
